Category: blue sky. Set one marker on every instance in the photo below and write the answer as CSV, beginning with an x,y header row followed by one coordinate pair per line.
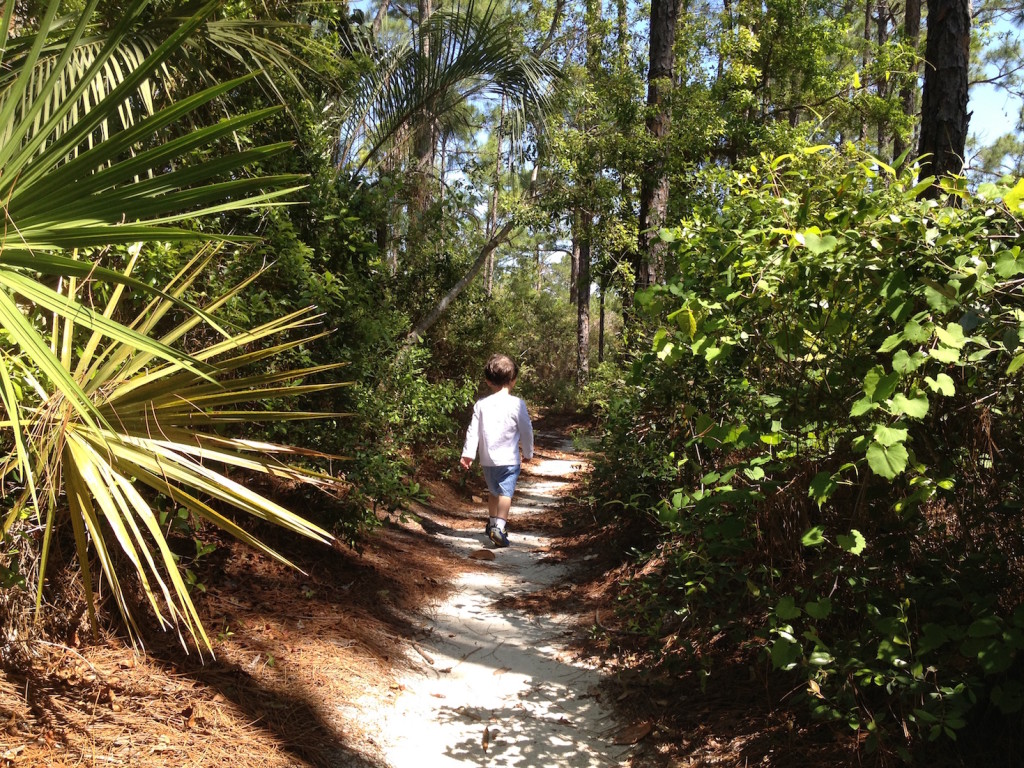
x,y
995,113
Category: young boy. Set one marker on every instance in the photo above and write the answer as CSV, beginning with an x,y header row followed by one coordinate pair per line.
x,y
499,427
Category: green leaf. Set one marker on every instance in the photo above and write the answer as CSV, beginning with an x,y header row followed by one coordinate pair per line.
x,y
862,406
952,335
992,655
904,363
890,650
891,342
785,653
915,407
889,435
987,626
1007,265
854,542
945,354
987,191
813,537
1015,364
887,460
1015,197
645,297
786,608
820,658
942,383
916,333
822,487
879,385
817,244
1008,697
819,609
932,636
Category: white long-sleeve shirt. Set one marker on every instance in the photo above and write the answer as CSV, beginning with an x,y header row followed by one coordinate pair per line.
x,y
499,426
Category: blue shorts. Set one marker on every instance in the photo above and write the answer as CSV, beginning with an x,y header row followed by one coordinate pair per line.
x,y
501,481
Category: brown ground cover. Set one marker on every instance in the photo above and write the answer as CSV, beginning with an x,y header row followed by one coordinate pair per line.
x,y
297,652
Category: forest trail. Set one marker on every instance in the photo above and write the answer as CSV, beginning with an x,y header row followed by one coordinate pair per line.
x,y
494,684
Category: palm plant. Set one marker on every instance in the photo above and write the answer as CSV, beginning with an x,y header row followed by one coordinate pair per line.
x,y
470,53
98,410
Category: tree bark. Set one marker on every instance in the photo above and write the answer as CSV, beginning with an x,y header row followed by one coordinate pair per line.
x,y
908,93
944,116
378,19
574,258
882,88
600,330
492,223
422,143
540,269
866,60
583,309
654,184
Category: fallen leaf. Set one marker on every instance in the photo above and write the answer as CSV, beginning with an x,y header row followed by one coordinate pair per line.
x,y
486,740
501,671
633,733
482,554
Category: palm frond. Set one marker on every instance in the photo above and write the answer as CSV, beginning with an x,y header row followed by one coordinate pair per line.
x,y
160,425
472,53
101,410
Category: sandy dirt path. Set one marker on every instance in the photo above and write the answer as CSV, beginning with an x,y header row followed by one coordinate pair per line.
x,y
496,686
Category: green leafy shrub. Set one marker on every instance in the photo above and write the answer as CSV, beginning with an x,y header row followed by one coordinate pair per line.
x,y
826,426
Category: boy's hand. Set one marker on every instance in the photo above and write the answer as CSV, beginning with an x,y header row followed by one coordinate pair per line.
x,y
466,462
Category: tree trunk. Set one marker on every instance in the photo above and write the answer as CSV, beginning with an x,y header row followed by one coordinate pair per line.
x,y
908,93
378,19
654,184
492,223
600,330
422,144
944,116
622,35
866,60
583,308
882,88
574,258
540,269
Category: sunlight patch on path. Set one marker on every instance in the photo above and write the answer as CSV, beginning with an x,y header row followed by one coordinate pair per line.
x,y
500,668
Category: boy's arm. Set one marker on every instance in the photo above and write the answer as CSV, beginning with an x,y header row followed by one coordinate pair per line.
x,y
525,431
472,440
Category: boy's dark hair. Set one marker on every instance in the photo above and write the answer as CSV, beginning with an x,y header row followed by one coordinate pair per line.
x,y
501,370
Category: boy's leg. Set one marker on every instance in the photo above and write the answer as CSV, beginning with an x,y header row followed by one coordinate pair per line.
x,y
505,482
503,505
492,512
497,534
